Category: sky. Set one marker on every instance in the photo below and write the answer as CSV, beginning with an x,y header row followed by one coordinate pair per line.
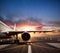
x,y
30,10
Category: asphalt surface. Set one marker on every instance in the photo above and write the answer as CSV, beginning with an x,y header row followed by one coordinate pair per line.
x,y
33,48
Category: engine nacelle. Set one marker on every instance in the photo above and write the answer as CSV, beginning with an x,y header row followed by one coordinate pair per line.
x,y
25,36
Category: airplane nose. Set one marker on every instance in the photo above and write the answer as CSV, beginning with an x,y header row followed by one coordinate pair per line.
x,y
25,36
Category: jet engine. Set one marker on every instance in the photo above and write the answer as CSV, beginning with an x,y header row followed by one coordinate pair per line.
x,y
25,36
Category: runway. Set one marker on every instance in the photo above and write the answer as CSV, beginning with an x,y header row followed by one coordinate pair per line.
x,y
33,48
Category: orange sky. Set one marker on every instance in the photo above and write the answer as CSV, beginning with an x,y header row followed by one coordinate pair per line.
x,y
30,25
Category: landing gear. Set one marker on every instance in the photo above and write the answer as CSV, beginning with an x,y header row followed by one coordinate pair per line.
x,y
16,41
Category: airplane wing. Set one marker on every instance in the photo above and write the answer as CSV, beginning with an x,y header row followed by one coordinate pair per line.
x,y
39,31
9,33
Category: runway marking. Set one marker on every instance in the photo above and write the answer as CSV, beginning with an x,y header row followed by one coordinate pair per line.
x,y
29,49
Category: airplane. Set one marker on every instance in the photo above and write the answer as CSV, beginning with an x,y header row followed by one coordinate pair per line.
x,y
25,36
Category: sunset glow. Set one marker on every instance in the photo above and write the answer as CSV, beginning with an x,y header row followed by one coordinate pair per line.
x,y
27,28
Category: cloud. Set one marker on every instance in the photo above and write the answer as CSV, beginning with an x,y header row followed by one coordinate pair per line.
x,y
34,19
15,18
54,23
1,19
20,18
